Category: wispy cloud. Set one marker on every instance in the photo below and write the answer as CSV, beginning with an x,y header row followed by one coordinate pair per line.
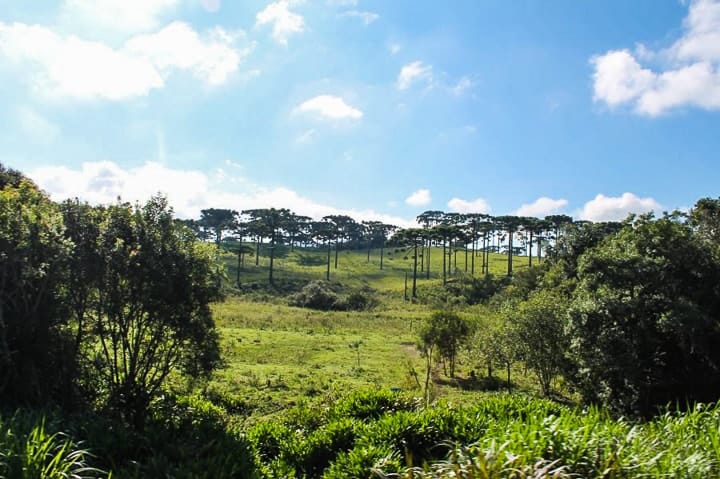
x,y
366,17
541,207
305,137
284,22
412,73
478,205
463,85
36,126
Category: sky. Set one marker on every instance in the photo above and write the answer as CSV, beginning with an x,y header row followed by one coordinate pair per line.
x,y
376,109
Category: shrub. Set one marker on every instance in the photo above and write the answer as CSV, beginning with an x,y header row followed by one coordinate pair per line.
x,y
370,405
315,295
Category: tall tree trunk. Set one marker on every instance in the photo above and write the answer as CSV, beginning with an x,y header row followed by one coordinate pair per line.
x,y
510,252
427,271
474,249
237,279
539,249
428,372
531,245
272,258
257,251
337,246
382,251
414,286
327,274
444,262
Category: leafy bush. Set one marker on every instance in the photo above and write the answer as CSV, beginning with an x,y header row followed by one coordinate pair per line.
x,y
325,297
315,295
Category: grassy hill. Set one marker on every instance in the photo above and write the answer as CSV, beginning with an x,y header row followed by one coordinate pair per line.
x,y
277,356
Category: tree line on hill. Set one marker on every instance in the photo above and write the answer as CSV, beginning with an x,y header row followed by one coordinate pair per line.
x,y
474,234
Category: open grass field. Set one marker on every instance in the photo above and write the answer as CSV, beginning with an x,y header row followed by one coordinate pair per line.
x,y
277,356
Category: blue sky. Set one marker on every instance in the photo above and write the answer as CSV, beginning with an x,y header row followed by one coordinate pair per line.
x,y
376,109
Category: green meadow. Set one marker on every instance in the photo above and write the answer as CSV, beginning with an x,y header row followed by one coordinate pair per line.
x,y
277,356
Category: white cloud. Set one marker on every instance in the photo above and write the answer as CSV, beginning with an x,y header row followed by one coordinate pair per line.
x,y
188,191
329,106
67,66
37,126
478,205
211,58
412,73
541,207
366,17
117,15
689,72
420,197
462,86
609,208
394,48
284,22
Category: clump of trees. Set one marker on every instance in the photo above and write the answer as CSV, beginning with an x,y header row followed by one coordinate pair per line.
x,y
627,313
98,305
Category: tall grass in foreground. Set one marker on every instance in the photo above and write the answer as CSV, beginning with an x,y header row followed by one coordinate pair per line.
x,y
498,437
29,451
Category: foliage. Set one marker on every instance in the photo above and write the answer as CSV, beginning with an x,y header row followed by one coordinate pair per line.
x,y
316,295
446,330
28,450
463,290
494,343
644,318
499,436
538,325
33,343
324,296
473,462
148,305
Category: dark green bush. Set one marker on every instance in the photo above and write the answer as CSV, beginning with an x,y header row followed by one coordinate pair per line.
x,y
315,295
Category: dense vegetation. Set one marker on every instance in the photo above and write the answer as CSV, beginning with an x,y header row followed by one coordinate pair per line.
x,y
351,349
